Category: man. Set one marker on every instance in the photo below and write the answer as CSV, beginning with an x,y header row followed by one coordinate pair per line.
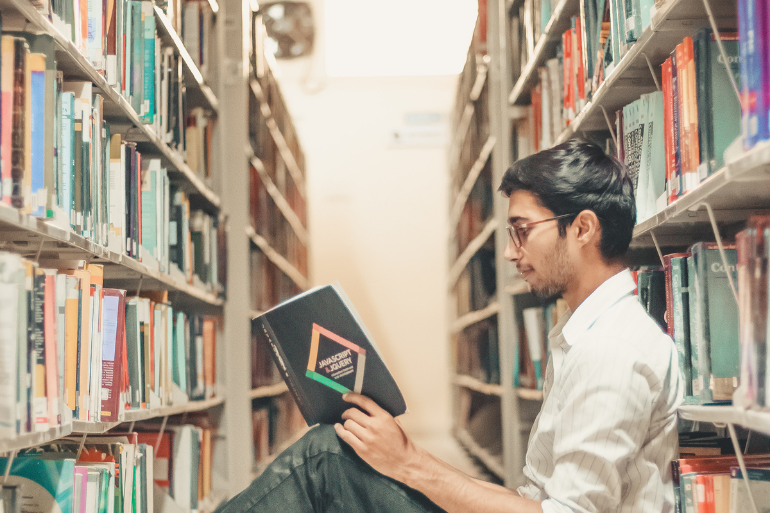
x,y
606,433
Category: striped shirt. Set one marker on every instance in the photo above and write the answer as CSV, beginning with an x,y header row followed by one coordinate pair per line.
x,y
606,434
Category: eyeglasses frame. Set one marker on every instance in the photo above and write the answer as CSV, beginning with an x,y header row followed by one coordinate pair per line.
x,y
513,228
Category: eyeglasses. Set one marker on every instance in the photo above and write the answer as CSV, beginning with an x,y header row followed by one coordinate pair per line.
x,y
518,232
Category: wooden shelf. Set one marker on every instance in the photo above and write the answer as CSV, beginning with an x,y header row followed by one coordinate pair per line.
x,y
477,385
551,36
465,120
474,317
749,419
21,15
492,462
735,192
29,235
673,21
87,427
470,250
529,394
283,148
283,205
470,181
278,259
197,90
269,391
26,440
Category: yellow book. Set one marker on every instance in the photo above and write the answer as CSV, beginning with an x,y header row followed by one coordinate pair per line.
x,y
83,343
71,341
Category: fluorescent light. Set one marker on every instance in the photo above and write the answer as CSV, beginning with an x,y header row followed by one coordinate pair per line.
x,y
398,37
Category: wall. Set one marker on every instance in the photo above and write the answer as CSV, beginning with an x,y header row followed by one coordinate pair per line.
x,y
378,222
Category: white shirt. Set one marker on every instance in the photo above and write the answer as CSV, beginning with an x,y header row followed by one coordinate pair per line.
x,y
606,434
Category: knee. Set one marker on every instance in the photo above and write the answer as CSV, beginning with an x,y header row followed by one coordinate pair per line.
x,y
319,439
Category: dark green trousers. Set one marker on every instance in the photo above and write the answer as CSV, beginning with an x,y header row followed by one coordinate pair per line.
x,y
321,473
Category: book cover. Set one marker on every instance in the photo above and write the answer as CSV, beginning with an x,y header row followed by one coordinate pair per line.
x,y
718,333
113,327
46,484
323,350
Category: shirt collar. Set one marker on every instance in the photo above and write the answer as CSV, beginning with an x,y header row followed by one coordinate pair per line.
x,y
605,295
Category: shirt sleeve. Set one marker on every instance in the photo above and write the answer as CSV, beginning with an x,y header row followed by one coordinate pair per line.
x,y
606,406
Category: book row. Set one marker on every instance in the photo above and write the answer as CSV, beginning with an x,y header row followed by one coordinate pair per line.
x,y
73,170
536,324
72,348
269,284
275,421
716,484
263,144
692,299
114,473
671,140
472,137
279,111
675,138
264,372
476,351
526,27
269,222
476,287
478,208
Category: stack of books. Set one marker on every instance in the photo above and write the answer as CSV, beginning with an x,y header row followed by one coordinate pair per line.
x,y
72,348
115,473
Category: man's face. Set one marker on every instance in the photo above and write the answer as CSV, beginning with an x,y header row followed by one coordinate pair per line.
x,y
543,259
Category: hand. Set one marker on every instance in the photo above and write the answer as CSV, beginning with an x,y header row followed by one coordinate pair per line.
x,y
377,437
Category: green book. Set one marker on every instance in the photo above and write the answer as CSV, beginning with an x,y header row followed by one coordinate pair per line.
x,y
180,359
634,26
45,483
133,353
718,331
680,308
721,107
148,99
694,311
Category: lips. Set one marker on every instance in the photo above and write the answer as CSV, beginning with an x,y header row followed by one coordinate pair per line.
x,y
523,271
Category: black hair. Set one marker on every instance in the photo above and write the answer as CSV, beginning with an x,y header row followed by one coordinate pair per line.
x,y
574,176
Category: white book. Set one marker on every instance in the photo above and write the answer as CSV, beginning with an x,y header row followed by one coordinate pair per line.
x,y
642,192
182,474
92,491
11,276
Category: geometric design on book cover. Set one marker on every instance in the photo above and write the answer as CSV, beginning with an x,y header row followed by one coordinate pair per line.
x,y
335,362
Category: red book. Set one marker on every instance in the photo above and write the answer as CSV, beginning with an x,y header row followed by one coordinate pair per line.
x,y
113,349
537,114
566,39
670,291
705,493
682,89
672,183
581,73
163,465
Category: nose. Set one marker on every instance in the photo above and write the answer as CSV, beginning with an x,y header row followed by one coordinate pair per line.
x,y
512,253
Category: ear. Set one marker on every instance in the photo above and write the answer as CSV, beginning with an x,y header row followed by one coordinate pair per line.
x,y
587,228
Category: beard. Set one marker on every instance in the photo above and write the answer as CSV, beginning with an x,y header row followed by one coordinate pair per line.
x,y
555,272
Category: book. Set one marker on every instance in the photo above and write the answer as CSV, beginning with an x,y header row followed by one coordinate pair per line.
x,y
324,350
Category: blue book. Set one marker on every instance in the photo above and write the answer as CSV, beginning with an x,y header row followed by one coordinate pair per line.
x,y
754,69
38,198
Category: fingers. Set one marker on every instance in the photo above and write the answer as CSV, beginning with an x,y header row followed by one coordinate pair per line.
x,y
356,415
349,438
363,402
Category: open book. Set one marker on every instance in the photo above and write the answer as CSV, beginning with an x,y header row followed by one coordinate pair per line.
x,y
323,350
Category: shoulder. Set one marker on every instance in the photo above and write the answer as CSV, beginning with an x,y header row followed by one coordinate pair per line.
x,y
626,339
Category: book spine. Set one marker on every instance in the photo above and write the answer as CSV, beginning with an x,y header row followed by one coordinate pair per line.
x,y
50,311
36,129
19,122
10,285
680,320
694,311
678,168
702,65
40,405
692,110
148,105
263,331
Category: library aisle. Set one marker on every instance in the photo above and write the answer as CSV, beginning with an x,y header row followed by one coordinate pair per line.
x,y
170,170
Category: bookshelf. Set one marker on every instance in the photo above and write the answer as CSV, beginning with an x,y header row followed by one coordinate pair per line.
x,y
719,207
214,77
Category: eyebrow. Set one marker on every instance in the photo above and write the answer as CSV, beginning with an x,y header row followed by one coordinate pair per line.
x,y
516,219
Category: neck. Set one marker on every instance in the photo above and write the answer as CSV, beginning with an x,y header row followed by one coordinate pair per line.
x,y
588,280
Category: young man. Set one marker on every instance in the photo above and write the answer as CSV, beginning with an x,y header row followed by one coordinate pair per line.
x,y
606,433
